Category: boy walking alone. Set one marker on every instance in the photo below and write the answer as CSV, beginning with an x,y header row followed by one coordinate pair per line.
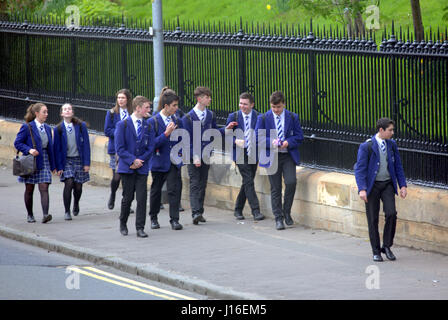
x,y
377,171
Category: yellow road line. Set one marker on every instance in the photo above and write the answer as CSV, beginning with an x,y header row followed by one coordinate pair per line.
x,y
89,274
140,284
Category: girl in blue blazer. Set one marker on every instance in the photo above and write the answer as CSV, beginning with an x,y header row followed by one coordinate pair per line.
x,y
121,110
72,155
34,125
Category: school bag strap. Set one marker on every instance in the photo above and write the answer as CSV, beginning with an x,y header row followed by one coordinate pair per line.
x,y
369,151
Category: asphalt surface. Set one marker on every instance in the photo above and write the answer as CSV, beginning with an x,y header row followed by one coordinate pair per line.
x,y
32,273
224,258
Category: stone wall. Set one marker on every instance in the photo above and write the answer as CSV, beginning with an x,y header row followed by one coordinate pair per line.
x,y
323,200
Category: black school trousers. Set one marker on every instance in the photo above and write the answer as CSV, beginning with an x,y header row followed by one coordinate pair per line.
x,y
134,183
384,191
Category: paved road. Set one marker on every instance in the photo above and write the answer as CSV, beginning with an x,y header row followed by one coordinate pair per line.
x,y
30,273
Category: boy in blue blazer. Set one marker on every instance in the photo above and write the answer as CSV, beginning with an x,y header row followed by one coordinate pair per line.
x,y
178,115
72,154
377,171
163,167
134,143
198,169
279,131
245,155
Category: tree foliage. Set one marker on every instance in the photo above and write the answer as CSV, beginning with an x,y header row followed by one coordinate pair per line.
x,y
99,8
333,9
87,8
346,12
19,5
445,15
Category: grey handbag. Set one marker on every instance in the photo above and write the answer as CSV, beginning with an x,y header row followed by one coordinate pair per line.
x,y
24,165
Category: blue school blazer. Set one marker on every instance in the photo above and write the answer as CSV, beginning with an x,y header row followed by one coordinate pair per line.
x,y
109,130
240,120
367,168
161,161
129,148
209,123
24,144
82,143
293,134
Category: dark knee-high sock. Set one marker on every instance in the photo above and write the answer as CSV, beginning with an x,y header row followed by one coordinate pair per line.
x,y
67,194
77,192
115,182
44,197
29,190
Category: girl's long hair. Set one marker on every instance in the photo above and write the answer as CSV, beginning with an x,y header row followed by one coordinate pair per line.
x,y
128,95
30,114
75,120
164,90
167,98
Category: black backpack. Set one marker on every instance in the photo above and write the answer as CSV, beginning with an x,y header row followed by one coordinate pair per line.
x,y
235,115
369,146
111,114
126,124
156,123
187,115
292,115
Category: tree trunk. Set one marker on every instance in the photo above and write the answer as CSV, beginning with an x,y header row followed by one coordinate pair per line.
x,y
417,18
3,15
359,27
359,23
349,25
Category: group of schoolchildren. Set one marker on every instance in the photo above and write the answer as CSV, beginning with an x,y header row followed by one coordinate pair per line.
x,y
140,143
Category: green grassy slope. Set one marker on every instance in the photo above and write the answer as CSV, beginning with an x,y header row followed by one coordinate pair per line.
x,y
250,11
256,11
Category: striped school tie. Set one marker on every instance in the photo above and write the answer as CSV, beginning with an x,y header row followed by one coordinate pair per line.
x,y
247,133
124,114
280,129
69,128
167,121
383,146
41,128
202,116
139,128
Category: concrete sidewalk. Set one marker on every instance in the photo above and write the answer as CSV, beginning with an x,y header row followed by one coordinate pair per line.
x,y
224,258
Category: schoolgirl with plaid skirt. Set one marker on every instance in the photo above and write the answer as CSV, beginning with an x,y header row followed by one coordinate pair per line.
x,y
36,130
72,155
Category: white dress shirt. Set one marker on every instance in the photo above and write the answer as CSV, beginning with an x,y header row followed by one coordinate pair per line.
x,y
199,112
134,121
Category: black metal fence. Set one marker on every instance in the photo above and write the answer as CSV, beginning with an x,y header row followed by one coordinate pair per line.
x,y
338,86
